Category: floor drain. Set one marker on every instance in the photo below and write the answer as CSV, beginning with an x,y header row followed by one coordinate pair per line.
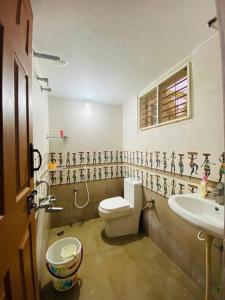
x,y
60,233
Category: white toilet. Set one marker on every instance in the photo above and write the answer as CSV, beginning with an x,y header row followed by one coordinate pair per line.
x,y
122,214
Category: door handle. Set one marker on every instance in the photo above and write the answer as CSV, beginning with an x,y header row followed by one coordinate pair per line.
x,y
32,168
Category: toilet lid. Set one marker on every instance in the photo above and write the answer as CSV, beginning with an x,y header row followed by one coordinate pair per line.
x,y
114,204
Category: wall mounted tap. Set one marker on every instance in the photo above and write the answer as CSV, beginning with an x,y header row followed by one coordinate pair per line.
x,y
46,201
48,205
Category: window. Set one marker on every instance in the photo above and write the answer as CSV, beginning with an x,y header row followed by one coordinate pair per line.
x,y
148,109
168,101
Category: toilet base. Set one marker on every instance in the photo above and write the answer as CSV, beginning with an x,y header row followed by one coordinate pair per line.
x,y
121,226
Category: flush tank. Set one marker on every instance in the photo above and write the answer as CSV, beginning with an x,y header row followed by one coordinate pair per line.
x,y
133,192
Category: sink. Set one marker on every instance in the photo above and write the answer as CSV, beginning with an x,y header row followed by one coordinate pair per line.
x,y
203,214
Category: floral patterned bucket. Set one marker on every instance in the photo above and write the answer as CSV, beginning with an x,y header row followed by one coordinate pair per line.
x,y
64,271
62,285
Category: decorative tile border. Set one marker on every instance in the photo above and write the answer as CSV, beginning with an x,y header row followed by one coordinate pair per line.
x,y
82,173
190,164
162,184
69,159
162,172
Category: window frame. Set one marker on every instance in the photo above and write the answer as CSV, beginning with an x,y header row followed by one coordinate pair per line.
x,y
156,84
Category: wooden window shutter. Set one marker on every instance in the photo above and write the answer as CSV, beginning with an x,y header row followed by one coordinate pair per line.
x,y
173,97
148,109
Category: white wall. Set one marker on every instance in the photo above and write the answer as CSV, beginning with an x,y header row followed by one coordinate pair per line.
x,y
40,112
90,126
40,130
204,131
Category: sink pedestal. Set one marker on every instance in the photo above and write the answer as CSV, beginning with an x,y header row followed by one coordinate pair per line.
x,y
208,245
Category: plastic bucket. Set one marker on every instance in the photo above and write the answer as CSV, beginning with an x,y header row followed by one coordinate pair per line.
x,y
64,271
65,284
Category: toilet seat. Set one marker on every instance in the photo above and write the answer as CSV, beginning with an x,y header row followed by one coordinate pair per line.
x,y
114,208
114,204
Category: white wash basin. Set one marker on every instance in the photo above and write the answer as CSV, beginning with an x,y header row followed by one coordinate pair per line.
x,y
203,214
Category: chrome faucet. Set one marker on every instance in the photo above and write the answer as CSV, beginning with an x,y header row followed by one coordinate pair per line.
x,y
47,202
218,193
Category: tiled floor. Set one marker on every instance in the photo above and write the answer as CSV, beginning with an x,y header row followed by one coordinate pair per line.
x,y
126,268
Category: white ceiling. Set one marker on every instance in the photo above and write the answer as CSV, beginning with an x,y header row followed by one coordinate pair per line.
x,y
114,48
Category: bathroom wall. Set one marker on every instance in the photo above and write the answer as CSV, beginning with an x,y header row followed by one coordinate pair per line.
x,y
90,126
98,191
40,130
93,152
203,133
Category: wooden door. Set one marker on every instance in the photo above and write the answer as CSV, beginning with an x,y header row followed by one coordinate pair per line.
x,y
17,227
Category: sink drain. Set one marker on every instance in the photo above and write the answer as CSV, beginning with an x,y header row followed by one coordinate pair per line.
x,y
60,233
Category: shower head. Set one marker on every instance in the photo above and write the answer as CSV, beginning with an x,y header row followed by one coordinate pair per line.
x,y
51,57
